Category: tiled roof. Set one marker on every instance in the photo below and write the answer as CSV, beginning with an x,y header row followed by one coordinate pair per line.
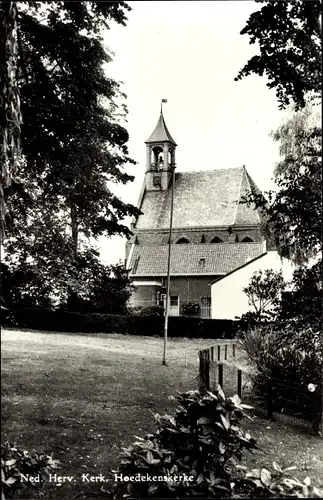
x,y
161,132
205,198
219,258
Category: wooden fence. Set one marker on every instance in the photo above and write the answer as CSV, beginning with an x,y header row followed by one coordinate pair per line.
x,y
212,366
219,361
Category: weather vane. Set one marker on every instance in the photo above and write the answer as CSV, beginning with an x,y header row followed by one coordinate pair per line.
x,y
161,104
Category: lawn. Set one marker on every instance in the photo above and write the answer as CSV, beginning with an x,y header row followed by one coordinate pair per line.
x,y
84,396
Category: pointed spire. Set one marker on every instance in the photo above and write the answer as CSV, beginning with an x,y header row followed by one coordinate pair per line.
x,y
161,132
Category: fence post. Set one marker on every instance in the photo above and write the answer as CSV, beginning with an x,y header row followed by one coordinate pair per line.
x,y
233,350
318,410
219,352
207,370
202,372
221,374
239,388
226,352
212,353
270,400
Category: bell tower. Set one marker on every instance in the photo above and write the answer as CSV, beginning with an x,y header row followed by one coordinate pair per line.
x,y
160,149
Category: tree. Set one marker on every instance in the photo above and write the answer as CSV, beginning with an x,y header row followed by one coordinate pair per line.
x,y
112,291
293,213
264,294
299,138
304,302
10,114
289,39
73,142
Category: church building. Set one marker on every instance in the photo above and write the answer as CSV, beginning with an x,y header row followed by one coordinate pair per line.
x,y
213,232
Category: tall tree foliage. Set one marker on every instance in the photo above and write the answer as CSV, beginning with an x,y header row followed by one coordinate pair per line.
x,y
10,113
293,213
264,294
298,138
289,38
289,35
73,141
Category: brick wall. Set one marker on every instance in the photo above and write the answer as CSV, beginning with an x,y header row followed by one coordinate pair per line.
x,y
161,236
188,288
144,296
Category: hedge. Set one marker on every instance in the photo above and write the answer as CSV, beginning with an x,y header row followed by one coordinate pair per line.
x,y
61,321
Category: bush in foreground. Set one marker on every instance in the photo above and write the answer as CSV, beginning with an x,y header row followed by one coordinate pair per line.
x,y
202,445
16,462
285,363
200,442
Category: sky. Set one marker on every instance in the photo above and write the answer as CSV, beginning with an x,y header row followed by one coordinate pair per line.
x,y
189,53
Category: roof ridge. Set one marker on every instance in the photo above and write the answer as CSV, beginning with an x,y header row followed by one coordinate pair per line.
x,y
252,188
239,195
208,171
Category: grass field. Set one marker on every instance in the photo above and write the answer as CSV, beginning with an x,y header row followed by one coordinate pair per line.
x,y
84,396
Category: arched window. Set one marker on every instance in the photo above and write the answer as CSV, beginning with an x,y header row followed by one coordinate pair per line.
x,y
157,159
182,240
216,240
247,240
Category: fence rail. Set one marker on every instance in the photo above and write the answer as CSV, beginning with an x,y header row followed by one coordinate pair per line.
x,y
282,401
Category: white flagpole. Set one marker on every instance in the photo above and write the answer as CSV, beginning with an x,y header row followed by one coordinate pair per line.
x,y
168,270
168,263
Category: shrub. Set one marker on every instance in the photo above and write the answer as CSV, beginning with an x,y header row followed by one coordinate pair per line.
x,y
285,366
264,294
152,311
190,309
262,483
142,324
16,461
200,442
201,445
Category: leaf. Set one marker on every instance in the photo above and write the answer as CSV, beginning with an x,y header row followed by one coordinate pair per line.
x,y
221,393
212,477
204,421
213,396
277,467
253,473
10,462
222,448
236,400
293,467
200,479
10,480
246,407
265,477
150,457
152,489
225,423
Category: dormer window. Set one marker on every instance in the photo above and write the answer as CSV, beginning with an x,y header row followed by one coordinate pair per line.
x,y
182,240
216,240
202,262
247,240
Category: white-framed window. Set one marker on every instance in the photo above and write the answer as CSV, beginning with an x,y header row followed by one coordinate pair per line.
x,y
174,300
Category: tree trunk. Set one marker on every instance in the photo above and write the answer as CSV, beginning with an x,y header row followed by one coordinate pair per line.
x,y
74,225
72,295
